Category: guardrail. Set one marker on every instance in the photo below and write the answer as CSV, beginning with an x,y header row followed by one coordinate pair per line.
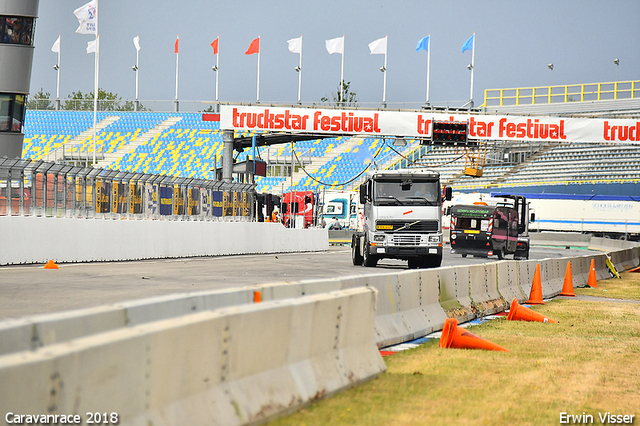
x,y
561,94
47,189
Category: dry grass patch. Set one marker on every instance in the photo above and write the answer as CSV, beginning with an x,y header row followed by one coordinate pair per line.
x,y
590,362
627,287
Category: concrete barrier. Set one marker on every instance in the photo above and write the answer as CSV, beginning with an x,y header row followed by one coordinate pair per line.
x,y
208,368
454,292
508,281
483,289
560,239
38,239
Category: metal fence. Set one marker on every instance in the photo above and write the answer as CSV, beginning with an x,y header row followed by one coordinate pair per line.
x,y
559,94
47,189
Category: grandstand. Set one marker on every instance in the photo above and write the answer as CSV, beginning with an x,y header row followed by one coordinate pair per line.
x,y
183,145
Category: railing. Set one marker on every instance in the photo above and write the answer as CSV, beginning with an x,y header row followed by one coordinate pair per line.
x,y
561,94
45,189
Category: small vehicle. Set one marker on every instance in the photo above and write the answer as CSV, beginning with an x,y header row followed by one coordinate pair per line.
x,y
483,230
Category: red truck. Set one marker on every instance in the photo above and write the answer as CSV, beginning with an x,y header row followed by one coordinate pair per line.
x,y
299,209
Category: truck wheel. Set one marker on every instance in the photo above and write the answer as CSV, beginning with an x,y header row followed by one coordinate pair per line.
x,y
413,263
501,253
368,260
356,257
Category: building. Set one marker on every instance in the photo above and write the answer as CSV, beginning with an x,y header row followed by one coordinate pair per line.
x,y
17,27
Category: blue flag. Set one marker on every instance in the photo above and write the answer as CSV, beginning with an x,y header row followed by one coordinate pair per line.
x,y
468,45
423,44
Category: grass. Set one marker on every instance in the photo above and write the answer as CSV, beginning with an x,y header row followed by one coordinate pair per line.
x,y
623,288
589,363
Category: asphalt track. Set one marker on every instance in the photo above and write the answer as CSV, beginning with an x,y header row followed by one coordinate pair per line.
x,y
28,290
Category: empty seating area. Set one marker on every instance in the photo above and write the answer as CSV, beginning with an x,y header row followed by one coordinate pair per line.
x,y
582,163
190,147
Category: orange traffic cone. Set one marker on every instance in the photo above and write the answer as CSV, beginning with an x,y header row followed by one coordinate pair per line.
x,y
535,297
456,337
51,265
567,288
592,281
517,312
257,297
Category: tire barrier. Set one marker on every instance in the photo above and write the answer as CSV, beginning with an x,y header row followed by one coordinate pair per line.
x,y
207,368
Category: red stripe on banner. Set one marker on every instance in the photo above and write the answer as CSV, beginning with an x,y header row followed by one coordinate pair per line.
x,y
210,117
387,353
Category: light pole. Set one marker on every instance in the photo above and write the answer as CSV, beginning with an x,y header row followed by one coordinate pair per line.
x,y
136,43
550,66
57,68
617,62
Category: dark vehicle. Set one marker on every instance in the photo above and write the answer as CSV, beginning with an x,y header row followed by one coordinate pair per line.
x,y
482,230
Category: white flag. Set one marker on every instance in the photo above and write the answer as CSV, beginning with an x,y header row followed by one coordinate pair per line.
x,y
87,17
136,42
335,45
56,46
295,45
91,47
378,47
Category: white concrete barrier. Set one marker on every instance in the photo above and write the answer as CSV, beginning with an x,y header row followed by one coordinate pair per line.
x,y
508,279
454,292
38,239
234,366
483,289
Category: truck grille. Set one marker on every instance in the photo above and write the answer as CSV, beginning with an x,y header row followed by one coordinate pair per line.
x,y
422,226
406,240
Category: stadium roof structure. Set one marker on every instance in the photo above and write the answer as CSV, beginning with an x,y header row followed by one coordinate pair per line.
x,y
266,139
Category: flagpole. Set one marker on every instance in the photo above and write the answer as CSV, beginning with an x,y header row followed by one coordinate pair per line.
x,y
300,71
342,72
384,84
96,86
258,89
217,67
428,66
177,64
137,71
58,78
473,66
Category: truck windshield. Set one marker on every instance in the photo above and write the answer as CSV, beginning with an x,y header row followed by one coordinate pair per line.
x,y
406,192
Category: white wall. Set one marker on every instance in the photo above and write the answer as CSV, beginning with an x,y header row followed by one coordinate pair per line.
x,y
36,239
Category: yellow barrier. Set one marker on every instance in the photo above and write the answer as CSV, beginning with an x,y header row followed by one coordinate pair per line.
x,y
560,94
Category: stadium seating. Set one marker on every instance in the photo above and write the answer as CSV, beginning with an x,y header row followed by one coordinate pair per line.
x,y
192,148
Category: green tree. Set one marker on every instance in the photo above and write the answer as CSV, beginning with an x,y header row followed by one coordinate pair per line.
x,y
107,101
40,100
344,97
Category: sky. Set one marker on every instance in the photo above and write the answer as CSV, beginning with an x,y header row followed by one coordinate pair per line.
x,y
515,41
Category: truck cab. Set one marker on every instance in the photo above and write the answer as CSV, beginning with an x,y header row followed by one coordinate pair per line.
x,y
299,209
402,218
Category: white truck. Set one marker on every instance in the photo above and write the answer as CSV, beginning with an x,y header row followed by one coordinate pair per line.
x,y
402,218
341,206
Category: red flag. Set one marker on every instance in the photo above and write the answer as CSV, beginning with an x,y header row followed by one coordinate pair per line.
x,y
176,47
215,46
254,47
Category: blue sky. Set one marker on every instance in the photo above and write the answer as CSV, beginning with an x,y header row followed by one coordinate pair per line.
x,y
515,40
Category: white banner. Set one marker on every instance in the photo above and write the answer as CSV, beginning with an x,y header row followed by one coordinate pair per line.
x,y
418,124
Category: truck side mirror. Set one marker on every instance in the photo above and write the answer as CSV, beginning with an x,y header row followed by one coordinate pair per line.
x,y
363,193
533,217
448,193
